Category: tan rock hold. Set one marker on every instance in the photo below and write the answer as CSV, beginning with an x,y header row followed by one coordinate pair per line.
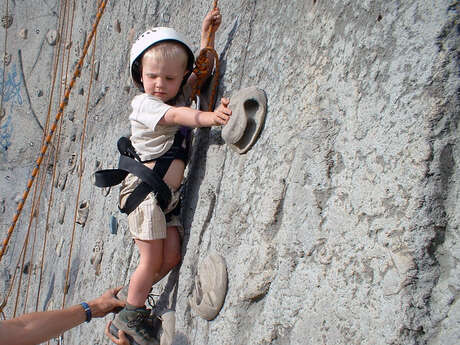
x,y
52,37
23,33
210,287
249,107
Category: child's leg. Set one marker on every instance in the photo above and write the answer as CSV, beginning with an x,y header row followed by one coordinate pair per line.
x,y
171,253
150,264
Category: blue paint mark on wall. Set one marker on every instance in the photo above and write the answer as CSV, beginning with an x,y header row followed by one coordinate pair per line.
x,y
6,129
11,91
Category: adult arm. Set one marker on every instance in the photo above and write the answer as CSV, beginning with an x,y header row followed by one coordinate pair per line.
x,y
35,328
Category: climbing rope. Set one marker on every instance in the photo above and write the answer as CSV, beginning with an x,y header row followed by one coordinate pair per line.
x,y
36,200
53,177
83,135
201,69
44,148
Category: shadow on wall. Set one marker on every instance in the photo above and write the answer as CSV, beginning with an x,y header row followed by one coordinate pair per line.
x,y
180,339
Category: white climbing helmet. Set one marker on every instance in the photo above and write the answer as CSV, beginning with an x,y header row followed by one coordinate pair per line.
x,y
150,38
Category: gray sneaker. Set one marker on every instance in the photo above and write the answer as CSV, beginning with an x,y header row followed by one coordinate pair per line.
x,y
136,324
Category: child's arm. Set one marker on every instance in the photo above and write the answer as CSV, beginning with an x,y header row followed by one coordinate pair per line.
x,y
196,118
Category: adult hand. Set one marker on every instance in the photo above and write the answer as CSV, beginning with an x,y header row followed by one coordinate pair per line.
x,y
106,303
121,340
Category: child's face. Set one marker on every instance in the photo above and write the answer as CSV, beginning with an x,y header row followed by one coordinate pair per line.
x,y
162,78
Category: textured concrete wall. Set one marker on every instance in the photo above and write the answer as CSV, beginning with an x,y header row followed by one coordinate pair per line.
x,y
340,225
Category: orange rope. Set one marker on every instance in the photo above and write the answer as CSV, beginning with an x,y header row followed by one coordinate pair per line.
x,y
63,104
36,200
83,134
53,177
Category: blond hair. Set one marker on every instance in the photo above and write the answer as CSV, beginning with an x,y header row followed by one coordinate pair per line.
x,y
168,50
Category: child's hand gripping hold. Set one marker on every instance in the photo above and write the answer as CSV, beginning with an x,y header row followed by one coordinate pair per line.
x,y
222,113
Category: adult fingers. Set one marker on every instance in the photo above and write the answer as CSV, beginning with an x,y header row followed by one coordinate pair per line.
x,y
110,336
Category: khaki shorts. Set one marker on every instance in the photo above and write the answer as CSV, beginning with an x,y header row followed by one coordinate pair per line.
x,y
148,221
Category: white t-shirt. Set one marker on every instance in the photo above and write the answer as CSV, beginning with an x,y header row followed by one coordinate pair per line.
x,y
150,139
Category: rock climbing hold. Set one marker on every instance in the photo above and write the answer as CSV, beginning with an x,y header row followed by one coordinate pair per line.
x,y
82,213
23,33
113,225
249,107
7,21
210,287
59,247
62,181
6,59
72,162
39,93
61,214
97,66
117,26
52,37
96,258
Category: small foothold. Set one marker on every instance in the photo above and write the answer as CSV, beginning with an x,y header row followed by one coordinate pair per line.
x,y
2,206
249,107
82,213
59,247
39,93
26,269
6,59
210,287
96,258
113,225
72,162
62,181
81,91
71,115
52,37
97,66
7,21
73,136
117,26
61,214
23,33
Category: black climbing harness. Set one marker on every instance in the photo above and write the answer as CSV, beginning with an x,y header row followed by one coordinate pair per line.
x,y
152,179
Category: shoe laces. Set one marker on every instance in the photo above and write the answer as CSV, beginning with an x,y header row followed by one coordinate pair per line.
x,y
151,300
139,320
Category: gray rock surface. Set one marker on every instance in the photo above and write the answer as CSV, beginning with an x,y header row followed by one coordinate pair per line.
x,y
339,226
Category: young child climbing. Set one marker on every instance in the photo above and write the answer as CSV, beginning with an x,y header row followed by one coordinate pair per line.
x,y
161,66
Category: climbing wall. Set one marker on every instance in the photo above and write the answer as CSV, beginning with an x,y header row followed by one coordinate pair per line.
x,y
339,225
